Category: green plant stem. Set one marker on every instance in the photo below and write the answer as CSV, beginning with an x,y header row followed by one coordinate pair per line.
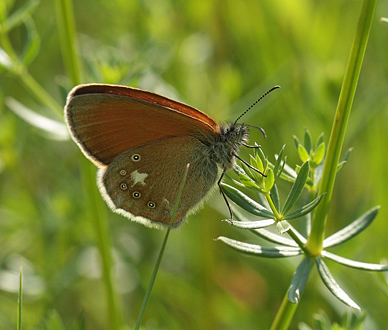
x,y
40,94
285,314
296,238
152,279
20,300
28,81
7,46
161,252
67,35
97,214
345,101
66,28
278,216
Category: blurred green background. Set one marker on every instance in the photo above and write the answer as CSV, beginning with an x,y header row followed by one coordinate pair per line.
x,y
218,56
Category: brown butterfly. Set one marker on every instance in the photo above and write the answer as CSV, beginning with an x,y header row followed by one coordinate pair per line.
x,y
141,142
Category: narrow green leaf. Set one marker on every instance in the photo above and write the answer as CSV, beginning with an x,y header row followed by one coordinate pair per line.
x,y
248,182
275,197
261,251
245,202
353,229
252,224
344,159
296,141
19,16
322,322
320,139
275,238
303,154
278,164
297,188
265,234
319,154
56,130
32,45
318,174
287,177
238,170
269,180
355,264
307,140
248,171
287,173
257,163
5,61
299,280
332,285
259,152
304,209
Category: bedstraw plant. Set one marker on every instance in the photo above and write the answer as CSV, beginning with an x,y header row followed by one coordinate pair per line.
x,y
316,174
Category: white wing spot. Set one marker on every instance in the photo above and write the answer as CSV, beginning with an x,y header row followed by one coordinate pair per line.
x,y
138,178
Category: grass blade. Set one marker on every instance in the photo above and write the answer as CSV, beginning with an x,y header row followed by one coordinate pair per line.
x,y
160,255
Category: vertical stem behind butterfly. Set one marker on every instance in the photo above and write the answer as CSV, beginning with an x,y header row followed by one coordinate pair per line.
x,y
66,27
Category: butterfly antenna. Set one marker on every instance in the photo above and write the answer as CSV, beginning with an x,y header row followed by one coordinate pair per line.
x,y
261,97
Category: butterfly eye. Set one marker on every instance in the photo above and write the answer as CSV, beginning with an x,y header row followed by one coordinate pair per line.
x,y
123,186
136,194
123,172
135,157
151,205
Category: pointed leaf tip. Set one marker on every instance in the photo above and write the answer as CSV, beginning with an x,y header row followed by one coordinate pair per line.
x,y
297,187
332,285
299,280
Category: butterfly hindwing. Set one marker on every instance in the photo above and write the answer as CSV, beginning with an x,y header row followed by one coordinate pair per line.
x,y
142,183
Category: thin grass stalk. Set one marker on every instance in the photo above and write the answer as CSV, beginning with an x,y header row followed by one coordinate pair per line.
x,y
20,301
37,91
68,41
341,119
97,214
160,255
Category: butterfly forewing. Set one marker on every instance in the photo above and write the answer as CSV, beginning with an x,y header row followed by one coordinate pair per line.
x,y
147,96
105,125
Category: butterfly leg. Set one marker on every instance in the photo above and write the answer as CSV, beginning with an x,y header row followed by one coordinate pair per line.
x,y
249,165
256,146
224,196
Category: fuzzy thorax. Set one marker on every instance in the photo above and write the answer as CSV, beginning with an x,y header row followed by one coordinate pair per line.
x,y
227,143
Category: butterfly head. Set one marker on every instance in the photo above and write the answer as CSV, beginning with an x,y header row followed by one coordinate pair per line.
x,y
232,136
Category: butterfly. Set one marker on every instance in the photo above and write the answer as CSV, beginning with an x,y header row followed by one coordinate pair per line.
x,y
141,142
